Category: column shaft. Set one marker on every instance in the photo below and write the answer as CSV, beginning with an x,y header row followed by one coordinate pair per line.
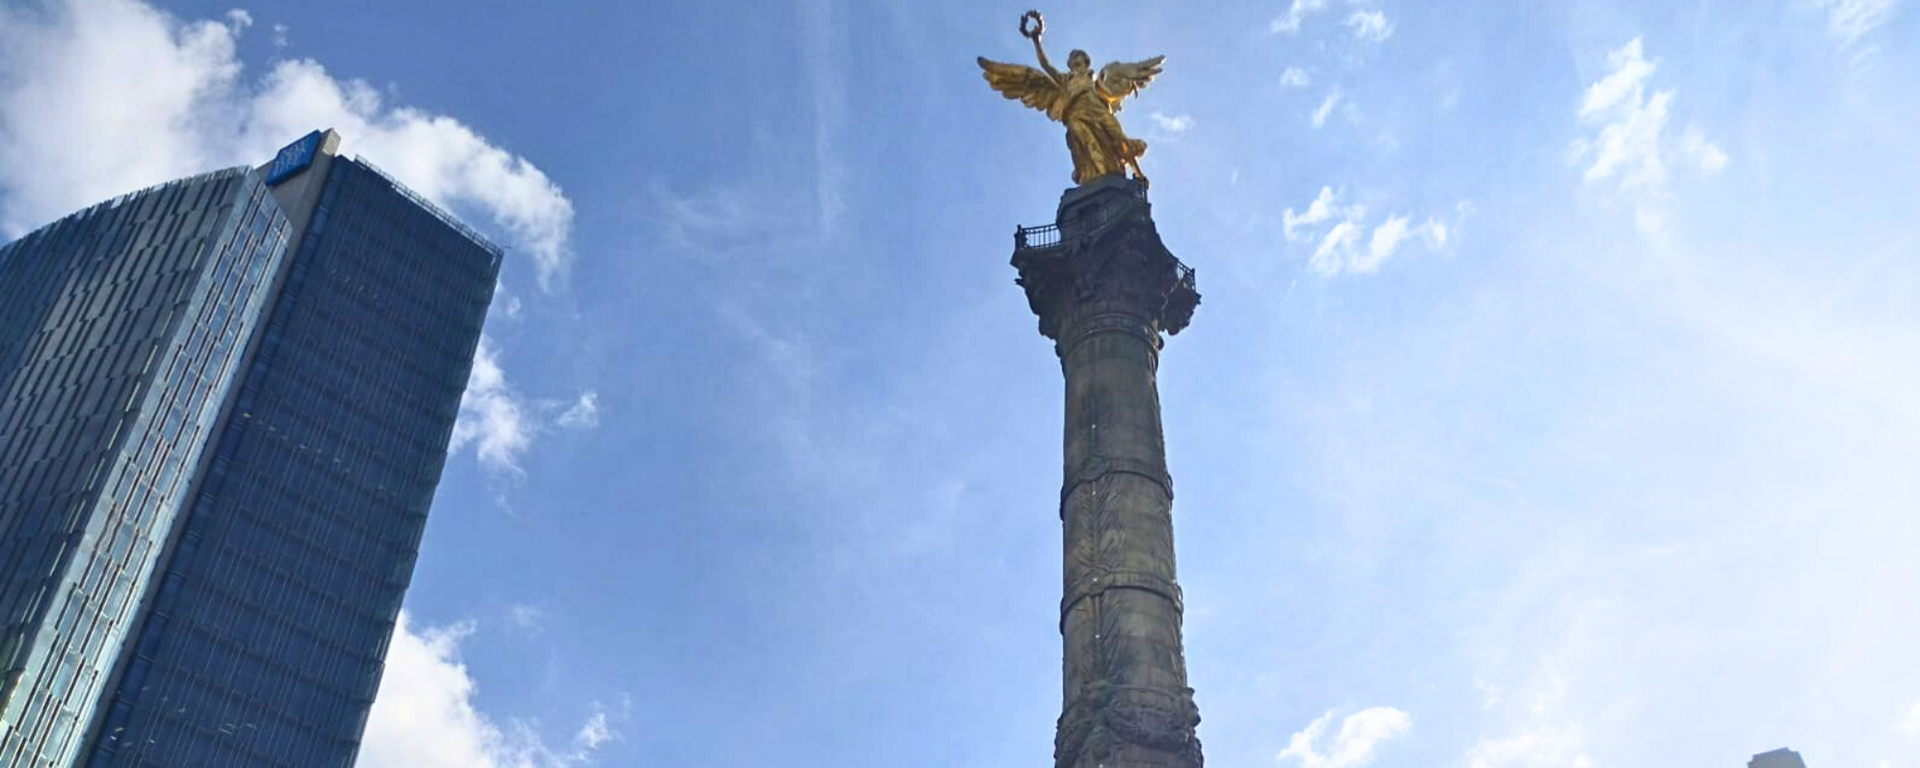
x,y
1127,703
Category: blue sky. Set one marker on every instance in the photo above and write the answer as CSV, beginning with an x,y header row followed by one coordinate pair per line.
x,y
1550,404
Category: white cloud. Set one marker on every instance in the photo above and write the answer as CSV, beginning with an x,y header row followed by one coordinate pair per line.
x,y
279,35
1326,107
1340,245
154,98
1629,144
1371,26
1354,746
1851,20
1172,124
437,156
1536,748
584,414
1626,83
1289,22
493,417
1323,208
1336,251
1489,693
1295,77
424,715
595,732
1910,720
1386,239
502,424
1695,147
1363,24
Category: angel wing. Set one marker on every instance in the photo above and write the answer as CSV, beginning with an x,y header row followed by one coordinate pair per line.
x,y
1121,79
1030,86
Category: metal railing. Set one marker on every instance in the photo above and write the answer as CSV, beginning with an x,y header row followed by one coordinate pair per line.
x,y
437,211
1091,221
1046,236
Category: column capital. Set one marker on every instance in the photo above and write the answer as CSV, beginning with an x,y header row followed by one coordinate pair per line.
x,y
1103,257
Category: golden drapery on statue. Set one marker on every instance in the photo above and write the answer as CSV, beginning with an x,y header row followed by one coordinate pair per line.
x,y
1082,100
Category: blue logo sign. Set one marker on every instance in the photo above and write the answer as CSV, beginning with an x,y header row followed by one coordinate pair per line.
x,y
294,158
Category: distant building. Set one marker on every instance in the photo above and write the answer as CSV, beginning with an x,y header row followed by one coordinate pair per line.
x,y
224,408
1779,758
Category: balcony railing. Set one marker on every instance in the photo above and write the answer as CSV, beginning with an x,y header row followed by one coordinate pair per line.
x,y
1036,237
1091,221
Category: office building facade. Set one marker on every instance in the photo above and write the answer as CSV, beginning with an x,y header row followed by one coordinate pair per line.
x,y
256,634
1779,758
121,332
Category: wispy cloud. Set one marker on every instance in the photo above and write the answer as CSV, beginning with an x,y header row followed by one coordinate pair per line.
x,y
1172,123
1364,23
1909,722
1371,26
527,618
583,414
501,424
1295,77
1323,208
820,61
1346,246
1336,249
493,416
1629,144
1387,238
723,221
1396,230
425,715
1705,154
1361,733
595,733
1327,106
1851,20
153,98
1289,22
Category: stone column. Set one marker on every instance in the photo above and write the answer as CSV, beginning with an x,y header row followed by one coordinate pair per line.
x,y
1105,287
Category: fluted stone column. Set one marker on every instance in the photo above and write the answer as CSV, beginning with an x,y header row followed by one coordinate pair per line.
x,y
1105,288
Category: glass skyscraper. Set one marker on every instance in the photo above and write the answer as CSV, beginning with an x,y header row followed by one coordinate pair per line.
x,y
121,333
1779,758
273,514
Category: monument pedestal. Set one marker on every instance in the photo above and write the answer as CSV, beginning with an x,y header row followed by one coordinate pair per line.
x,y
1105,288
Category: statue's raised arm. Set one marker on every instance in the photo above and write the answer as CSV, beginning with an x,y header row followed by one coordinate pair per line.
x,y
1043,89
1084,102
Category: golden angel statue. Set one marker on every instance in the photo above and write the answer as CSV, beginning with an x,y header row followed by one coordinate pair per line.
x,y
1084,101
